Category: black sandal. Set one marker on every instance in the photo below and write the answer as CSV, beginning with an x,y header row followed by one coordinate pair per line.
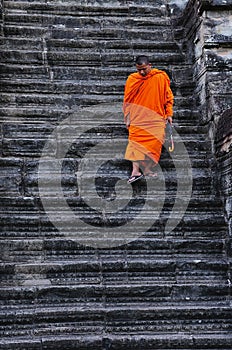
x,y
134,178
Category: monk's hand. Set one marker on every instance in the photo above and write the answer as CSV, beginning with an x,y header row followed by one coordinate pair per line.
x,y
169,120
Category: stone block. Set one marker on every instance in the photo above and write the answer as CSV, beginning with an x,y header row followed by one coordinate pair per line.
x,y
26,72
71,343
23,44
218,23
11,171
24,32
22,56
28,139
14,225
19,204
224,3
217,340
22,130
23,344
25,147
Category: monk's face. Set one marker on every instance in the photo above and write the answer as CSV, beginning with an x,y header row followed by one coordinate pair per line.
x,y
143,69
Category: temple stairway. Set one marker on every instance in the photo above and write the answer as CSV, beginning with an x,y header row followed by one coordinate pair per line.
x,y
63,68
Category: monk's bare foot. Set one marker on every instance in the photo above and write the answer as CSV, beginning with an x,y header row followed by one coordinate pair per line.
x,y
148,170
135,174
151,174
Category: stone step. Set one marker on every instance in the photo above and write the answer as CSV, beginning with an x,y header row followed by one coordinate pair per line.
x,y
132,264
73,100
22,177
173,189
184,258
30,203
126,200
86,20
180,76
161,319
53,115
89,9
116,270
101,126
41,130
153,206
91,86
84,44
182,340
32,225
152,192
214,220
183,116
106,33
116,293
29,167
89,58
27,97
108,37
59,22
149,246
34,147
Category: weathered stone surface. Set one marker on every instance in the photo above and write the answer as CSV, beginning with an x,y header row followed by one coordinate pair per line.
x,y
223,151
164,290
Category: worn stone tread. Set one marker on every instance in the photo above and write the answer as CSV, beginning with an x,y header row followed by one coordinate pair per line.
x,y
164,290
182,340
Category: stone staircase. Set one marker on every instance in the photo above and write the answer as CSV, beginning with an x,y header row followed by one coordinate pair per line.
x,y
64,66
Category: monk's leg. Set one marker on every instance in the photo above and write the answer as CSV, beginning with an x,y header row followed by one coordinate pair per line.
x,y
135,169
149,166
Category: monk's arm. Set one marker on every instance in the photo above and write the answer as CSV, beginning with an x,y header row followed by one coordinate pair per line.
x,y
169,103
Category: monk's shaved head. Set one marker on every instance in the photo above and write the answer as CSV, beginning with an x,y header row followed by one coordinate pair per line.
x,y
143,65
142,59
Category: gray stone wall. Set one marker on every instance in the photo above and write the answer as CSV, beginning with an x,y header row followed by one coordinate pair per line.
x,y
208,43
176,6
223,151
208,27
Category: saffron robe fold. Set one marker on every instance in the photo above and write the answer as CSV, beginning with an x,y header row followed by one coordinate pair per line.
x,y
148,101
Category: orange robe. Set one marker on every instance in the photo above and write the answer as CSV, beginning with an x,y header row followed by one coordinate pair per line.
x,y
148,101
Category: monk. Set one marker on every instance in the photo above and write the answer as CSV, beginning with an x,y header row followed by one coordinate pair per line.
x,y
147,107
